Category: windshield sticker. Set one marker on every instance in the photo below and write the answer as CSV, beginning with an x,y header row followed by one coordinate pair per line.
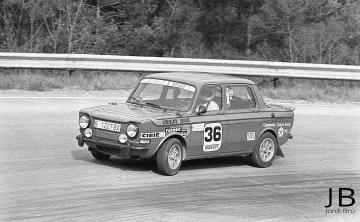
x,y
169,83
152,135
198,127
212,137
176,121
281,132
250,136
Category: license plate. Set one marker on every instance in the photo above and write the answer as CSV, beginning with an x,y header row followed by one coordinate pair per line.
x,y
107,125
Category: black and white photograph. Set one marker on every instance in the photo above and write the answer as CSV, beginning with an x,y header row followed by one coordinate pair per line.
x,y
180,110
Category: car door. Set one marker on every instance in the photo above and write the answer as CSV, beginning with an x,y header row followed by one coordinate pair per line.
x,y
243,118
208,136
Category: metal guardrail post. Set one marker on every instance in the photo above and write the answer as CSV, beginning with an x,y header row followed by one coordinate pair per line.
x,y
276,82
70,71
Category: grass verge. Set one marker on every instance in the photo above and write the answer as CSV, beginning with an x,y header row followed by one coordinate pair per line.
x,y
47,80
313,90
288,89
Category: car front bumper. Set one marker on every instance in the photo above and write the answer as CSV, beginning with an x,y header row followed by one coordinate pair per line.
x,y
128,150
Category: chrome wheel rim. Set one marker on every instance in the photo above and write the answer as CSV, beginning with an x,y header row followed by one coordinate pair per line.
x,y
267,150
174,157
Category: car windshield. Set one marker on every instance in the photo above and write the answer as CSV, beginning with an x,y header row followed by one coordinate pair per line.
x,y
163,94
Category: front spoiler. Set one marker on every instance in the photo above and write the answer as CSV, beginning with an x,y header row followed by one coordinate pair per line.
x,y
127,150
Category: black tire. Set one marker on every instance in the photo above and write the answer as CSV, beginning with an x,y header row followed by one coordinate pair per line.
x,y
264,157
99,156
165,164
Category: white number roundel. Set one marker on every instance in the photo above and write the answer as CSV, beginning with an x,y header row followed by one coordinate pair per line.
x,y
212,137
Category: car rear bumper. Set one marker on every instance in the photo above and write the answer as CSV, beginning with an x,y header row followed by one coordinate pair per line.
x,y
126,151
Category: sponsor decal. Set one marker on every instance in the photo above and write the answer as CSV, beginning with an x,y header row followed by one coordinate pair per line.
x,y
212,137
283,124
276,124
269,124
198,127
152,135
174,129
176,121
182,131
250,136
281,132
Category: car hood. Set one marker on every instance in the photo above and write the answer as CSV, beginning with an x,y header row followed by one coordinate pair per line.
x,y
127,112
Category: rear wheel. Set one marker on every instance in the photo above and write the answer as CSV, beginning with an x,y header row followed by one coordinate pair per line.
x,y
169,157
265,150
99,156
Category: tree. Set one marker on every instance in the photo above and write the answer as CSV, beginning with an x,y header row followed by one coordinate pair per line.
x,y
320,31
278,22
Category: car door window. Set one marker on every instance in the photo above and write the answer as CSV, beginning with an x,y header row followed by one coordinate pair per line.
x,y
239,97
210,96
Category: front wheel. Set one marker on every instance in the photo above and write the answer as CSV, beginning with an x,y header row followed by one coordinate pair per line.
x,y
169,157
99,156
265,150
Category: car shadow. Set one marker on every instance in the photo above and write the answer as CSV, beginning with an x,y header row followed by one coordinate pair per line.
x,y
219,162
128,165
150,165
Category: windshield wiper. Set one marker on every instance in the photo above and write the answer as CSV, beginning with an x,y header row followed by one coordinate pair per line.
x,y
138,101
165,109
178,114
155,105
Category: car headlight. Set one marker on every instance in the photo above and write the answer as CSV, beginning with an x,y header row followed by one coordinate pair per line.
x,y
132,130
88,132
123,138
83,122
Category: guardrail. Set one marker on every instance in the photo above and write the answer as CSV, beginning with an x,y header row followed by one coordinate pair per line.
x,y
164,64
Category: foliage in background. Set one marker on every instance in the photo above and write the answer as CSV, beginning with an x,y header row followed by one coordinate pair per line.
x,y
314,31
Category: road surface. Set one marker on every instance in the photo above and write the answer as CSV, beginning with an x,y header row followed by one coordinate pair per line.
x,y
45,176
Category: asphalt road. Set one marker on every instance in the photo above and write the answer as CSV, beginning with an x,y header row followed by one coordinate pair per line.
x,y
45,176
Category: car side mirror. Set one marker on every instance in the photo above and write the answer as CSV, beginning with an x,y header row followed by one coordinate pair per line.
x,y
201,110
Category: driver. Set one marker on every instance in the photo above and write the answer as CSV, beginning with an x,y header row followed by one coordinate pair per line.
x,y
206,98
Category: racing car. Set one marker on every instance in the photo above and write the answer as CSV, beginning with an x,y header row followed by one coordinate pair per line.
x,y
175,117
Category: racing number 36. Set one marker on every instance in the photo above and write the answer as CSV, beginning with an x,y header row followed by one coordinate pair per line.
x,y
212,133
212,137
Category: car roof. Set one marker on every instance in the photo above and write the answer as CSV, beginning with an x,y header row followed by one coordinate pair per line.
x,y
195,78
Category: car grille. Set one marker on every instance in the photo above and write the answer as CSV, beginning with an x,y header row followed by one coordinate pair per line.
x,y
104,134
